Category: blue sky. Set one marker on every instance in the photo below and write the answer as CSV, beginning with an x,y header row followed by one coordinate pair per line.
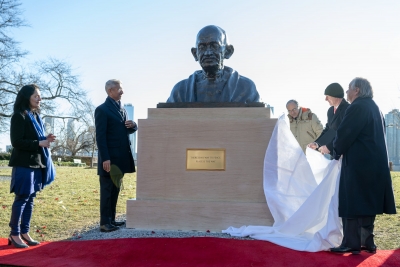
x,y
290,49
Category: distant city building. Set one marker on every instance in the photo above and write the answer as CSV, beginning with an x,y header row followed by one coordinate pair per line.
x,y
49,125
132,137
392,120
88,137
70,129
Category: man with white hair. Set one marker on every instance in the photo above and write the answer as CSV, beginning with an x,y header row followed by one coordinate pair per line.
x,y
115,156
304,124
365,187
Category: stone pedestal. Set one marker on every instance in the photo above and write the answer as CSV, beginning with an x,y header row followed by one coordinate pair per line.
x,y
170,197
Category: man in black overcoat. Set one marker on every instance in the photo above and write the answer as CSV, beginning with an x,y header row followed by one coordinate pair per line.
x,y
334,94
365,187
115,156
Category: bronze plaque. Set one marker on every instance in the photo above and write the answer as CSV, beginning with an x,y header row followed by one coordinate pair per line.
x,y
204,159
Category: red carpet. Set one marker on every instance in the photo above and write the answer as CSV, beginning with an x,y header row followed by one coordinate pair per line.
x,y
200,251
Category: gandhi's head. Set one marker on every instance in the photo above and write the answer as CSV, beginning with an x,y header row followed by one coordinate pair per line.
x,y
212,47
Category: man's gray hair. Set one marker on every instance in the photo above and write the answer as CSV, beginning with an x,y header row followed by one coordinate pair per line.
x,y
364,86
293,101
111,83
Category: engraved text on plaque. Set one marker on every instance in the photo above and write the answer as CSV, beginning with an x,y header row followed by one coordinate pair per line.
x,y
201,159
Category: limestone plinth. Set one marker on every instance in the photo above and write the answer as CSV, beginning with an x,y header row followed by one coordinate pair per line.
x,y
170,197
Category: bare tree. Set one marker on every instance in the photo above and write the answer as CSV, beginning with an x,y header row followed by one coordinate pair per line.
x,y
60,130
10,17
72,137
75,135
79,142
59,85
10,53
85,113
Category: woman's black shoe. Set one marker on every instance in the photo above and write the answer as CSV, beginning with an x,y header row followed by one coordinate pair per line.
x,y
11,241
30,242
108,228
341,249
117,223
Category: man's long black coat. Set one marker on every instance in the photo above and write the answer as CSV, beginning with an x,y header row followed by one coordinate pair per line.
x,y
334,120
365,187
113,138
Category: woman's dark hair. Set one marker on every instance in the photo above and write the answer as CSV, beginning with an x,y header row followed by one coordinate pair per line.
x,y
23,98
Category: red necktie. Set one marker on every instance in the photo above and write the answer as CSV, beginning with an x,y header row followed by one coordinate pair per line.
x,y
334,110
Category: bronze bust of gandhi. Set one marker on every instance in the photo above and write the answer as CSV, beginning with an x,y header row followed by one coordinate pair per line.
x,y
215,82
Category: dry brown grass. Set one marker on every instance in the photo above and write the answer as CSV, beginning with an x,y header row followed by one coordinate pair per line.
x,y
68,205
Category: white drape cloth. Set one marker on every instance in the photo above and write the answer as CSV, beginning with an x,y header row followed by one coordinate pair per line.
x,y
302,195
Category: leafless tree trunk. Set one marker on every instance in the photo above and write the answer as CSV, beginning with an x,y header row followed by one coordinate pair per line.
x,y
77,138
85,113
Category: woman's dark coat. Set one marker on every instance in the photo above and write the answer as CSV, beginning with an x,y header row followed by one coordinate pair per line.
x,y
334,120
26,150
365,187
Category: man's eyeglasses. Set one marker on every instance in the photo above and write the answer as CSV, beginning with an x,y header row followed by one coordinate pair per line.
x,y
293,110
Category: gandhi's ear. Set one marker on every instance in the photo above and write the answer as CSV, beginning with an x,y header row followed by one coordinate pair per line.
x,y
194,53
228,51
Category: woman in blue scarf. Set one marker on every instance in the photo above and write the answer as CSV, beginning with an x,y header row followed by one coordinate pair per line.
x,y
31,162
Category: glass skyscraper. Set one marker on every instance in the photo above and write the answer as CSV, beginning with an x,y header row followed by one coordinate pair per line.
x,y
132,137
392,120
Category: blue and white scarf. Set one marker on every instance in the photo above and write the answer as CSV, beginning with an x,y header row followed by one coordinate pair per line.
x,y
50,171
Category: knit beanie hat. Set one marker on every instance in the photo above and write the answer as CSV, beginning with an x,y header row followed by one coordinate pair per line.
x,y
334,90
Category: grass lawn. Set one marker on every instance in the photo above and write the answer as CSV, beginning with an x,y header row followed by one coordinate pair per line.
x,y
71,204
387,227
68,205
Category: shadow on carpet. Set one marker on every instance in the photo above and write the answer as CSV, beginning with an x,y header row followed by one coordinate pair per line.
x,y
198,251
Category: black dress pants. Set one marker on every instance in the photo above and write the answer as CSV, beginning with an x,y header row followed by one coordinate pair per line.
x,y
108,199
358,232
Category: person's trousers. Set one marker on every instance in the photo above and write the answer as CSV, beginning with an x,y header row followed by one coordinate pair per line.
x,y
21,213
358,232
108,200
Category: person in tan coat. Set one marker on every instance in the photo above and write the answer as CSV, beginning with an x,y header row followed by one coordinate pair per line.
x,y
305,125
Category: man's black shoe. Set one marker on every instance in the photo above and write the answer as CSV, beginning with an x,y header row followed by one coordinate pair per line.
x,y
118,223
108,228
371,249
345,250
